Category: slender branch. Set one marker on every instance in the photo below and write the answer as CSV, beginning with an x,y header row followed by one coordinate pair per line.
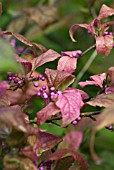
x,y
87,114
89,49
85,68
59,117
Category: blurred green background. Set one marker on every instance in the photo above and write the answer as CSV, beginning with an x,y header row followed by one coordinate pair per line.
x,y
49,25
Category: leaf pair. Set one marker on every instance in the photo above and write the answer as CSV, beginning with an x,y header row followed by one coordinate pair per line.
x,y
104,43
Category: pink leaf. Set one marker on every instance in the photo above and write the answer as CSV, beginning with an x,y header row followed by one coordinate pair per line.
x,y
97,80
102,100
27,66
70,139
3,87
105,12
48,140
109,90
48,56
32,130
48,111
28,151
74,27
83,94
59,79
77,156
4,101
69,104
67,64
11,118
104,44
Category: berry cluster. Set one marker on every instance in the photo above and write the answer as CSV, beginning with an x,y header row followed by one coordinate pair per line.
x,y
16,79
51,95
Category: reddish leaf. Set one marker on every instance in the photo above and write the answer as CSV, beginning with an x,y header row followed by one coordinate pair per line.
x,y
3,87
48,140
70,139
64,163
18,24
28,151
97,80
4,101
16,97
27,66
102,100
41,47
0,8
105,12
42,15
11,118
106,118
67,64
48,111
59,79
31,130
24,40
26,118
58,154
77,156
109,90
76,26
18,36
69,104
104,44
48,56
74,90
111,75
13,162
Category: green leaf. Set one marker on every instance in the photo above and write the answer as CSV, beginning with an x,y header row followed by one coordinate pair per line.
x,y
7,58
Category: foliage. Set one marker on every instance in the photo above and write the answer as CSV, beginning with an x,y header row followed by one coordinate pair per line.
x,y
30,99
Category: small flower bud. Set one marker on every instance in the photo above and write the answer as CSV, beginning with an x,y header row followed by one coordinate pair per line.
x,y
79,118
79,52
41,90
52,88
13,42
23,76
44,87
15,81
9,78
40,76
74,122
106,33
43,78
35,84
39,94
110,127
74,54
41,168
59,92
19,82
